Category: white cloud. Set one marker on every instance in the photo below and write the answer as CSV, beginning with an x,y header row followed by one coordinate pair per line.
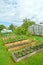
x,y
16,10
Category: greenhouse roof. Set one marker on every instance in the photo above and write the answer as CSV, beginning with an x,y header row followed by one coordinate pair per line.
x,y
5,31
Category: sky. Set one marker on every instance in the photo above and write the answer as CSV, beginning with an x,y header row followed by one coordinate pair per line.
x,y
14,11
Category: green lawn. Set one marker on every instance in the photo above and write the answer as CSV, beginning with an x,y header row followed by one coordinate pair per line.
x,y
5,57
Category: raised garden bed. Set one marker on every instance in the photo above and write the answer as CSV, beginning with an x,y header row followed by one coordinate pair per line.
x,y
27,52
17,47
16,43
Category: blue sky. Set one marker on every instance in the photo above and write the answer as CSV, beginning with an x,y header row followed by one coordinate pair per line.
x,y
16,10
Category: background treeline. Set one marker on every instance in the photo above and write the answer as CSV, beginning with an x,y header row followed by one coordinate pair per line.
x,y
21,30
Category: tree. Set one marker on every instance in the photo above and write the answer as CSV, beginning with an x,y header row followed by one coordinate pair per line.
x,y
26,24
12,27
23,29
2,27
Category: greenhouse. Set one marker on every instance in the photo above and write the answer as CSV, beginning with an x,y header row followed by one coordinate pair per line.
x,y
36,29
6,32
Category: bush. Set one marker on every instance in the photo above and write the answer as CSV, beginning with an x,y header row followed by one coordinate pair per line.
x,y
20,31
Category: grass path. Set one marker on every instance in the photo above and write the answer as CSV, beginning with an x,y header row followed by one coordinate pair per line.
x,y
5,58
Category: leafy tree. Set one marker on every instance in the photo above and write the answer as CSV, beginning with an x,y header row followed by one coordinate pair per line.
x,y
12,27
23,29
27,23
2,27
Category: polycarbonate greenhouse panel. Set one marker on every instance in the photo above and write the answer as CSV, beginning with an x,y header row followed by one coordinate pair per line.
x,y
36,29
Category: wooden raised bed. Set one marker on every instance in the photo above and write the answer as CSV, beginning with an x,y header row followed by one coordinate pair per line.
x,y
26,56
19,42
18,47
27,52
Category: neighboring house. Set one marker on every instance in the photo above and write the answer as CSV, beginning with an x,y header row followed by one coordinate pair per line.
x,y
36,29
6,31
